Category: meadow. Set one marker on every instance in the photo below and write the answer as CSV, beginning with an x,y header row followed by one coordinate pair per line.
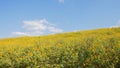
x,y
99,48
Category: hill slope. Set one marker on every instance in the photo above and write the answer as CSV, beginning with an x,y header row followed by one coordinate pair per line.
x,y
98,48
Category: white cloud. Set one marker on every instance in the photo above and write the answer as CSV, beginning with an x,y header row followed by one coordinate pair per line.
x,y
55,30
61,1
116,25
20,33
37,27
76,30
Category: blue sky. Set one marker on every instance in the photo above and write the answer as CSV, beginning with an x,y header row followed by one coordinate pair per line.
x,y
41,17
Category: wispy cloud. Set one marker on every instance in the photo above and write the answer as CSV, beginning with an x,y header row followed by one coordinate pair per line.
x,y
61,1
40,25
116,25
54,29
37,27
20,33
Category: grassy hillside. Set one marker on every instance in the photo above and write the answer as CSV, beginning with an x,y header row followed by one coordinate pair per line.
x,y
98,48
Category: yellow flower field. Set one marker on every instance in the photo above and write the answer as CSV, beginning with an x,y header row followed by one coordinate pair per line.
x,y
98,48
